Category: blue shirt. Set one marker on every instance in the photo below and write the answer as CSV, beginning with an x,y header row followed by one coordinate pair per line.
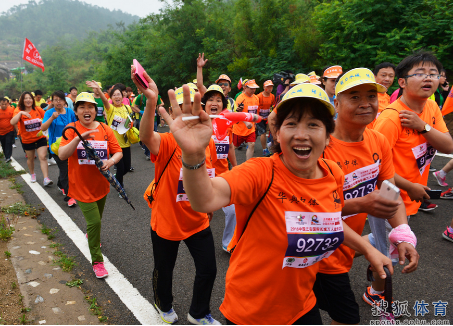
x,y
56,127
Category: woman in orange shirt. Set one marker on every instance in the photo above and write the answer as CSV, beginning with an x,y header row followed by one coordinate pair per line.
x,y
29,120
86,184
288,209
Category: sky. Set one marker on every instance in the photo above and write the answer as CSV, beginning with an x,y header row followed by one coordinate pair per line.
x,y
140,8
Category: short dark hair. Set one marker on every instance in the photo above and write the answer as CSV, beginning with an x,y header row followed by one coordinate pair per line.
x,y
299,108
128,89
38,92
2,99
59,94
43,105
409,62
383,65
73,87
21,104
122,87
206,96
116,88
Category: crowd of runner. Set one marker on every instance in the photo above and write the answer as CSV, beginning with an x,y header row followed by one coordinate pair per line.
x,y
332,146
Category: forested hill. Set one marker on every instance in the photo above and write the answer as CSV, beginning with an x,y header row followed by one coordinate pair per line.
x,y
47,21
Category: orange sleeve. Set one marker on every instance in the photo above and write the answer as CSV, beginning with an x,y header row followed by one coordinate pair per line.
x,y
388,123
40,111
440,122
248,180
387,170
212,152
166,147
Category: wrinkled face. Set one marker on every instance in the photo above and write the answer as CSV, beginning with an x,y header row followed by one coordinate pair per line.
x,y
74,93
28,101
225,85
420,87
3,104
268,89
302,143
329,84
385,76
117,98
86,112
58,103
358,105
249,91
214,104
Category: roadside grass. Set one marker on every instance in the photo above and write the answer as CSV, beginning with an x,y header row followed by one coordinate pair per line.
x,y
95,308
7,170
7,254
74,283
48,231
6,229
21,209
15,185
66,262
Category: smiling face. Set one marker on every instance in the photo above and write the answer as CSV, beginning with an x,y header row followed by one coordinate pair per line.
x,y
117,98
28,101
302,141
385,76
420,88
86,113
214,104
357,105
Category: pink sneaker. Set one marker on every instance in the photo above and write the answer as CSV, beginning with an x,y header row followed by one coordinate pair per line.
x,y
100,270
72,202
441,181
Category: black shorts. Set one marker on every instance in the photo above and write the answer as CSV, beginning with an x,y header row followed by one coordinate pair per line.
x,y
260,127
334,295
37,144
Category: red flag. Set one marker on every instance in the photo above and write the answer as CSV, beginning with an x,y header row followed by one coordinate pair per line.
x,y
31,54
448,104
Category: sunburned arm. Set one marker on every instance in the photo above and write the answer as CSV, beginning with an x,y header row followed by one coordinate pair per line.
x,y
232,155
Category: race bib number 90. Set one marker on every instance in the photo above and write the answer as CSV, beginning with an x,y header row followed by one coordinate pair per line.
x,y
311,237
32,125
181,196
99,146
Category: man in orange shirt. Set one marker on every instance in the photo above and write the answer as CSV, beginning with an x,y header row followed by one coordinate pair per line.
x,y
384,73
415,128
365,158
6,129
266,99
244,132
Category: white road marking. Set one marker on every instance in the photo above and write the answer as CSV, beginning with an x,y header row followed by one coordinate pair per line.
x,y
142,309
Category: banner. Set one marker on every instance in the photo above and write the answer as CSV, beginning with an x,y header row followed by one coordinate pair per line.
x,y
32,55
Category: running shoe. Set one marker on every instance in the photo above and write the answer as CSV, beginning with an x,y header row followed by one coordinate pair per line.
x,y
14,146
47,182
206,320
62,191
33,177
72,202
441,181
8,160
148,158
51,161
447,235
448,194
426,206
170,317
131,169
376,299
100,270
432,169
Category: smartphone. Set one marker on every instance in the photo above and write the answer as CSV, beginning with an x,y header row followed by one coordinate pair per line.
x,y
389,190
434,194
139,74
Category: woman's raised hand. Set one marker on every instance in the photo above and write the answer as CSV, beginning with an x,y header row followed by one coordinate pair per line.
x,y
192,136
201,60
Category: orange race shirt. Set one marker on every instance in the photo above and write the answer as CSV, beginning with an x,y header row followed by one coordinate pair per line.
x,y
412,154
363,163
264,107
86,182
274,265
251,106
222,149
172,217
29,127
5,120
384,101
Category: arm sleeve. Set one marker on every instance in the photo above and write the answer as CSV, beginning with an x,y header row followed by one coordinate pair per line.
x,y
386,124
387,170
47,116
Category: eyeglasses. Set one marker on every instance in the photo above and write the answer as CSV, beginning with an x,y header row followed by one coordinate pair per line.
x,y
423,76
223,84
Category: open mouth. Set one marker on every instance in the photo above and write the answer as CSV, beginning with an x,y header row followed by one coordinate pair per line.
x,y
302,151
214,110
427,87
87,117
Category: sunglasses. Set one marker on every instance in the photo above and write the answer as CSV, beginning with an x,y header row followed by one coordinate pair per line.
x,y
223,84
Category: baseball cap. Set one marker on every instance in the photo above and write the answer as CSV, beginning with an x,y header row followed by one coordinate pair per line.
x,y
85,97
307,90
251,83
223,76
300,79
356,77
192,85
180,96
9,100
268,83
332,72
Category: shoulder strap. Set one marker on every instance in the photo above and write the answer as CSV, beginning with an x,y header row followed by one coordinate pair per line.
x,y
254,208
165,167
327,164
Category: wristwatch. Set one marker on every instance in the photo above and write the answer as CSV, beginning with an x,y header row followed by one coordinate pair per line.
x,y
426,129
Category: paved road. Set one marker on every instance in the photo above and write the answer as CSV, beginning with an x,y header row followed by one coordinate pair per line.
x,y
126,241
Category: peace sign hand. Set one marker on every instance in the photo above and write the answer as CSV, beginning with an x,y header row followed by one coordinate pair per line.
x,y
192,136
